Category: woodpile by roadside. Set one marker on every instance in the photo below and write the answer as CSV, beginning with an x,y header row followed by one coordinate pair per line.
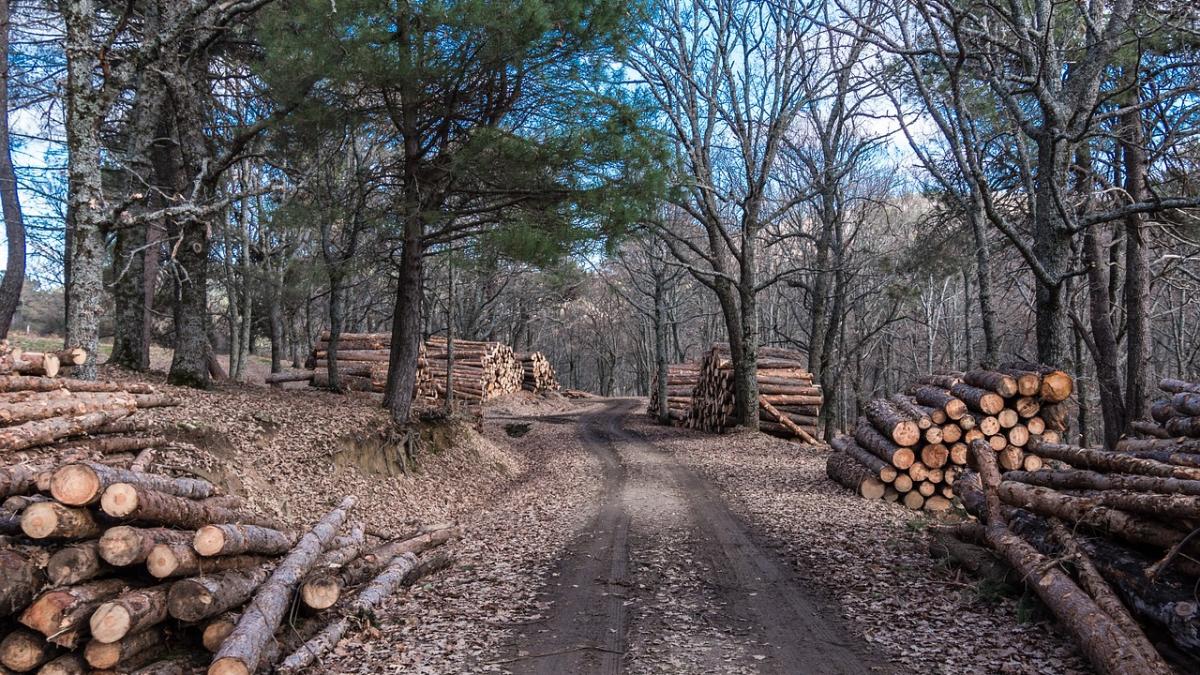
x,y
913,447
482,370
1105,539
537,373
700,395
115,570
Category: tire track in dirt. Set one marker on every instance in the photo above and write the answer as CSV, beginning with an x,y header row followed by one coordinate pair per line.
x,y
699,584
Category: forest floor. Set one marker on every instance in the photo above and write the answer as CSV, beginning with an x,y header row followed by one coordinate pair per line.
x,y
595,541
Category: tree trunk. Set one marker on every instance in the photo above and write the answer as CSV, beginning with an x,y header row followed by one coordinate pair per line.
x,y
660,348
14,224
86,249
983,277
406,324
1137,263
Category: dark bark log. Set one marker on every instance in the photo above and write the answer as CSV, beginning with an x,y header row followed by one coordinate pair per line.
x,y
102,655
870,439
847,472
1086,458
23,651
45,432
991,380
76,563
62,614
883,470
232,539
125,545
23,578
83,483
892,423
124,500
941,399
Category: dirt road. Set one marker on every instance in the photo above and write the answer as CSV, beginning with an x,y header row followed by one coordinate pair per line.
x,y
667,579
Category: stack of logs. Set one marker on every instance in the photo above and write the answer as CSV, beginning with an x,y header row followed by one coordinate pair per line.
x,y
701,395
108,566
482,370
537,373
14,360
1175,417
912,448
1106,539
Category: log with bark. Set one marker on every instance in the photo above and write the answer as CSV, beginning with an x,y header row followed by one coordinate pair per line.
x,y
84,483
62,614
241,651
208,595
136,502
131,612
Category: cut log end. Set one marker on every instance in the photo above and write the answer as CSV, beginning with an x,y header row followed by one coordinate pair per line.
x,y
209,540
162,561
110,622
322,592
906,433
228,666
75,485
119,500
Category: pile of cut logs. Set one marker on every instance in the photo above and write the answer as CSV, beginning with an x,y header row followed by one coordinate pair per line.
x,y
701,395
1106,539
105,568
1175,417
912,448
537,373
482,370
43,364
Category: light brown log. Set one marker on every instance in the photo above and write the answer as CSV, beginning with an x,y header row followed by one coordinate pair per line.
x,y
62,614
76,563
72,356
289,376
1008,418
83,483
891,422
1028,383
967,422
958,453
935,455
998,442
125,500
942,399
765,403
1018,435
951,434
1027,406
987,402
241,652
21,580
847,472
933,435
207,596
42,409
1035,425
131,612
105,655
938,416
988,425
181,560
903,483
870,439
45,432
991,380
937,504
1032,463
229,539
1087,458
939,380
9,383
1011,458
913,500
926,489
125,545
115,444
23,651
883,470
51,520
37,363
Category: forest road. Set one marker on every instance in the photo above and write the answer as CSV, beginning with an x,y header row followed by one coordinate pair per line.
x,y
667,579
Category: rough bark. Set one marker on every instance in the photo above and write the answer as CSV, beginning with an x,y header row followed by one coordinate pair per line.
x,y
125,545
76,563
242,650
14,224
1116,462
23,651
178,559
129,613
125,500
941,399
62,614
892,422
51,520
847,472
870,439
883,470
207,596
45,432
232,539
22,579
105,655
83,483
